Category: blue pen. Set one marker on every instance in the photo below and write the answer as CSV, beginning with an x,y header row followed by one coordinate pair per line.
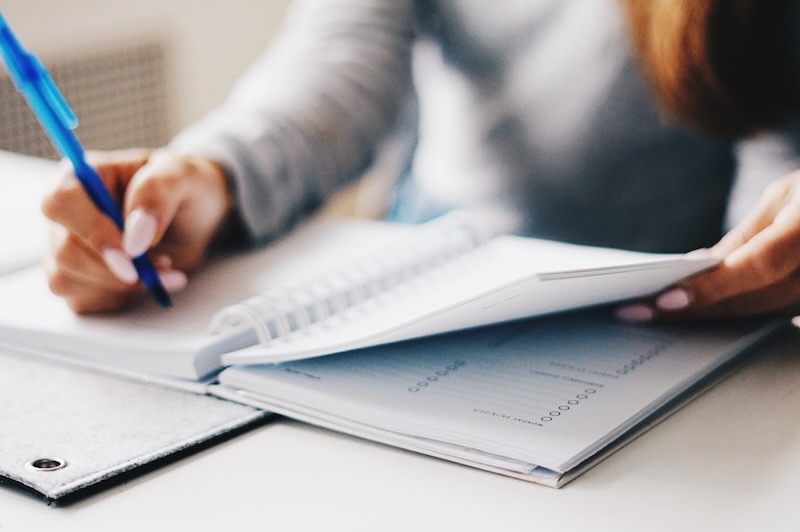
x,y
58,121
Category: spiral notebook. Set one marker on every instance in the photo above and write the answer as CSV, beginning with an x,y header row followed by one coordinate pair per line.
x,y
540,400
333,286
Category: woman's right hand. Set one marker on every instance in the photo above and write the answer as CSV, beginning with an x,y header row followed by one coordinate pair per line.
x,y
174,207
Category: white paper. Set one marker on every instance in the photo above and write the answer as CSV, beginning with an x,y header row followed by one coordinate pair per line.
x,y
495,282
175,342
507,278
547,392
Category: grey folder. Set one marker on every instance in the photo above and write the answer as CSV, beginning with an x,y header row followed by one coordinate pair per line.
x,y
67,431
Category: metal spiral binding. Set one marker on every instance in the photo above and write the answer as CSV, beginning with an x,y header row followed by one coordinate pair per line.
x,y
285,311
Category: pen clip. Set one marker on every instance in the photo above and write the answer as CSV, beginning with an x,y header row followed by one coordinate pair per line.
x,y
52,95
28,73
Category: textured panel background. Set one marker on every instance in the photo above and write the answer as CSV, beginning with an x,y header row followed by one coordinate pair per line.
x,y
119,94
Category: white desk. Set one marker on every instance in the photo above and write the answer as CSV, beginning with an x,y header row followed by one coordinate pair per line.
x,y
730,460
23,181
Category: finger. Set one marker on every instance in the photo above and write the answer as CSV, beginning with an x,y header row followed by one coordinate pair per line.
x,y
636,312
162,261
78,276
116,168
84,293
97,234
72,258
85,298
69,205
768,258
780,299
152,201
184,196
742,233
773,199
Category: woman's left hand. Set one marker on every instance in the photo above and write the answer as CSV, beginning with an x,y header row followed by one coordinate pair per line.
x,y
759,272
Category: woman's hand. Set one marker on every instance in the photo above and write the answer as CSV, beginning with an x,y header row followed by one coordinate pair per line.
x,y
174,206
759,272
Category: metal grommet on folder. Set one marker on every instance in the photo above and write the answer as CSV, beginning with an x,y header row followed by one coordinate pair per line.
x,y
46,464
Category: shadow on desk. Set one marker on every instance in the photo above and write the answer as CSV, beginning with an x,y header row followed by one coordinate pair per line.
x,y
732,440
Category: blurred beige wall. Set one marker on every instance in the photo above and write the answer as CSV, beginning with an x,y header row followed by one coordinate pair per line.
x,y
209,42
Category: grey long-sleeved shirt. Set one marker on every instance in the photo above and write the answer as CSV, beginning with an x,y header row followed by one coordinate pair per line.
x,y
530,111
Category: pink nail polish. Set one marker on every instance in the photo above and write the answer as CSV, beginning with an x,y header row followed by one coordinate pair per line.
x,y
162,262
636,313
675,299
173,280
120,265
140,229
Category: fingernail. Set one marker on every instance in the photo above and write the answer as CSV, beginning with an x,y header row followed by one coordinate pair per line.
x,y
162,261
120,265
635,313
173,280
675,299
140,228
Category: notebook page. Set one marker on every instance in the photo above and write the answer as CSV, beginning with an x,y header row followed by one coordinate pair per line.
x,y
507,278
548,392
178,341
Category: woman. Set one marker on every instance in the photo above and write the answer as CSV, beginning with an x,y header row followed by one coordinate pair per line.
x,y
537,114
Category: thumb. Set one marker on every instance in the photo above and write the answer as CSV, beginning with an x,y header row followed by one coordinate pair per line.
x,y
151,202
178,203
140,231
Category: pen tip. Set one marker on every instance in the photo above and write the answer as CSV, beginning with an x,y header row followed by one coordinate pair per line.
x,y
161,296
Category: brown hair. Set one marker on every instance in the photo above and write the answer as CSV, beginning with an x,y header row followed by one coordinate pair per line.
x,y
719,65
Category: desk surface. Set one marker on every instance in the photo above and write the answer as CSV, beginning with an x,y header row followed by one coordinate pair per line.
x,y
729,460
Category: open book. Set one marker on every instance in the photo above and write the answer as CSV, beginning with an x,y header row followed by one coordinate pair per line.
x,y
541,400
332,287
